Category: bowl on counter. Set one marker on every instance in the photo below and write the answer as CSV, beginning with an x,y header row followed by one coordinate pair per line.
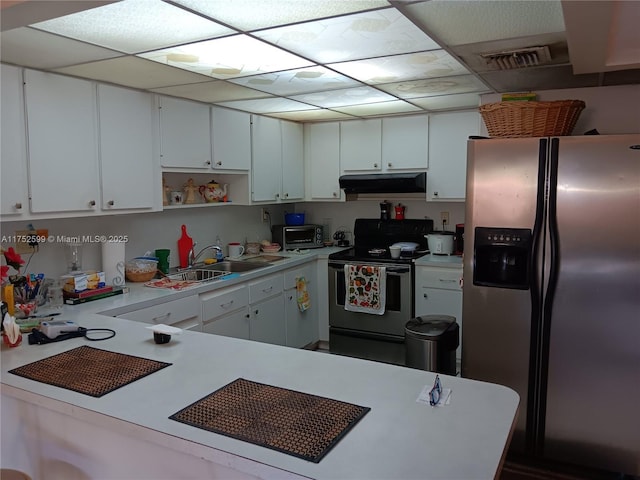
x,y
273,248
141,269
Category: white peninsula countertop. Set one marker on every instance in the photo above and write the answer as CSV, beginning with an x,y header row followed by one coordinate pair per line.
x,y
126,434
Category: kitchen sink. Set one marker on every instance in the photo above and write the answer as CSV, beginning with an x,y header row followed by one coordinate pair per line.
x,y
233,266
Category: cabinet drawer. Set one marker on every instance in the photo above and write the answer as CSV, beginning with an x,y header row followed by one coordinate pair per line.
x,y
444,278
169,313
291,275
224,301
265,288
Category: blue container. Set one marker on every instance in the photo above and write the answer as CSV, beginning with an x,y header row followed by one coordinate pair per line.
x,y
294,218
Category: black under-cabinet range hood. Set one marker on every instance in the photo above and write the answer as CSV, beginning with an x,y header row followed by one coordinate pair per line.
x,y
384,183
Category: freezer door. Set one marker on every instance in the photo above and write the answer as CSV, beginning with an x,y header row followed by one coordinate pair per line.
x,y
501,194
593,389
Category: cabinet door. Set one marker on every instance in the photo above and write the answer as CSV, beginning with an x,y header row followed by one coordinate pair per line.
x,y
405,143
292,161
448,135
323,160
185,134
13,156
63,147
301,327
231,137
126,148
234,325
266,322
361,145
266,169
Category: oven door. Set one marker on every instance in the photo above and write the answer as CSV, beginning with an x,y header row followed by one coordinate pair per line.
x,y
398,303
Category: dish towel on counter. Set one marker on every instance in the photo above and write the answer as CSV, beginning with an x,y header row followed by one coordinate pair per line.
x,y
365,288
303,294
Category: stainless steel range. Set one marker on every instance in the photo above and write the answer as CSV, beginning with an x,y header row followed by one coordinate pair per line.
x,y
365,335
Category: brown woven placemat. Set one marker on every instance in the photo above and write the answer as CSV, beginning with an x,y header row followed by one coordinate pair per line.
x,y
89,370
296,423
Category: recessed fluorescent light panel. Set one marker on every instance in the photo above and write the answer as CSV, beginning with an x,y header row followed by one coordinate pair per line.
x,y
267,105
411,66
135,26
434,86
254,14
351,37
345,97
228,57
302,80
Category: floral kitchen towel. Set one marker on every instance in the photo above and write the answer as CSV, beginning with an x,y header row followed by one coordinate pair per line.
x,y
365,288
302,294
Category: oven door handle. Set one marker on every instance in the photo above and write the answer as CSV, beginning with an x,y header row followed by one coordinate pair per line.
x,y
390,269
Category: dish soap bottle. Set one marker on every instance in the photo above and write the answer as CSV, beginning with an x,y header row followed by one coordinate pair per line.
x,y
219,254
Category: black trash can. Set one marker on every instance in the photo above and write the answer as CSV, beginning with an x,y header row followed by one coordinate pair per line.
x,y
431,342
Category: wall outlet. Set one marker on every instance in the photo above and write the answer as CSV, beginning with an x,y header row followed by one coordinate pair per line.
x,y
264,215
22,241
444,217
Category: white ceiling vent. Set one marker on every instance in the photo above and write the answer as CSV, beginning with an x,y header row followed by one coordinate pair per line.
x,y
520,58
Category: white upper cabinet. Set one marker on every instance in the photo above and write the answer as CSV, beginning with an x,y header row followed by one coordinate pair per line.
x,y
266,171
448,134
277,170
405,143
63,147
292,161
322,157
13,156
231,136
126,148
185,134
361,145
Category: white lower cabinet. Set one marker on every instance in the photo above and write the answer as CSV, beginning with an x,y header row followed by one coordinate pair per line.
x,y
438,292
226,312
301,327
182,313
266,307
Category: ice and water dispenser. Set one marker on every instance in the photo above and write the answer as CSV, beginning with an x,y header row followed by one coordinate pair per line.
x,y
502,257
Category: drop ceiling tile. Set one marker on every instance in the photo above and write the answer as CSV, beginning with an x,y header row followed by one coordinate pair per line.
x,y
344,97
317,114
133,72
380,108
266,105
211,92
448,102
411,66
33,48
351,37
135,26
434,86
254,14
302,80
471,21
229,57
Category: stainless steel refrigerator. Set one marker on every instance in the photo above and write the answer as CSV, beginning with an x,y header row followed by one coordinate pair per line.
x,y
551,296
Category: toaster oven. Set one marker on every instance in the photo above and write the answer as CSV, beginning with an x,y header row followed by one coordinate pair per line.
x,y
291,237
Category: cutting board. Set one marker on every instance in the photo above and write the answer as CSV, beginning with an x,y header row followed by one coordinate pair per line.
x,y
185,244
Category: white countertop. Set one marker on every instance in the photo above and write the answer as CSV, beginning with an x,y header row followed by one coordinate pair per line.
x,y
398,439
448,261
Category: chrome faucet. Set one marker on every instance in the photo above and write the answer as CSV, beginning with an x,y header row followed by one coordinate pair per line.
x,y
194,257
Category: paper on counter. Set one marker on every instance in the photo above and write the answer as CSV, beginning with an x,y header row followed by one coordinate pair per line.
x,y
445,397
165,329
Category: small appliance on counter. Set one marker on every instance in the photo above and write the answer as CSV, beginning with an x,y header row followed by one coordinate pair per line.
x,y
292,237
385,210
440,243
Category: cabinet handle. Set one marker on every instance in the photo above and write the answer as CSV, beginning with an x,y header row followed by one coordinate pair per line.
x,y
375,165
286,195
247,316
207,162
256,311
267,290
446,280
111,203
290,297
226,305
277,195
335,194
389,164
424,295
219,164
18,206
92,203
166,315
435,194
